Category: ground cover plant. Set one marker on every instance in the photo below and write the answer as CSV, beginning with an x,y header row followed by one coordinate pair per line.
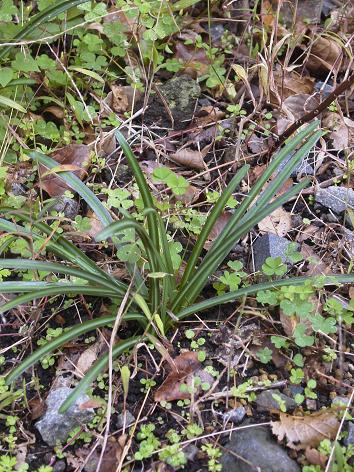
x,y
175,187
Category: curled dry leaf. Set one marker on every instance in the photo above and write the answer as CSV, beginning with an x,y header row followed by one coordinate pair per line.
x,y
302,432
121,99
343,136
77,156
187,368
188,158
190,196
87,358
278,222
325,55
296,106
315,457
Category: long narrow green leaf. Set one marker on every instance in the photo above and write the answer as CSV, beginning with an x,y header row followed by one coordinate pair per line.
x,y
42,17
29,264
75,183
252,289
51,290
7,102
208,266
266,175
148,203
59,245
64,338
210,222
96,369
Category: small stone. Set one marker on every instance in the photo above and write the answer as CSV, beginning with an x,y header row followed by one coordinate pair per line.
x,y
337,199
256,446
324,88
59,466
128,417
54,426
68,206
236,415
311,404
266,402
269,245
18,189
348,239
309,10
190,452
349,440
296,390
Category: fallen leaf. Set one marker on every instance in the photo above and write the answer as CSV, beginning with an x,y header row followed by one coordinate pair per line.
x,y
218,227
207,115
21,454
188,158
302,432
190,196
195,61
121,99
343,137
111,457
77,155
37,407
187,369
289,84
325,55
296,106
315,457
267,13
289,323
278,222
56,111
92,403
87,358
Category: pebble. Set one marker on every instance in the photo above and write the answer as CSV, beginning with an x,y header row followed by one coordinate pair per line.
x,y
236,415
311,404
256,446
129,419
55,427
337,199
304,167
68,206
266,402
269,245
349,440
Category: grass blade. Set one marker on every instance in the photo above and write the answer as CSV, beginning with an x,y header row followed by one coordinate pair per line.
x,y
42,17
252,289
64,338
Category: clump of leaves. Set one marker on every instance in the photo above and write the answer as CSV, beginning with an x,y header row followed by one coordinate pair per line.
x,y
157,291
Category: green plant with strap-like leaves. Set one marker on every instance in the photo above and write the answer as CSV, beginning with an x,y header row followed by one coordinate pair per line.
x,y
157,300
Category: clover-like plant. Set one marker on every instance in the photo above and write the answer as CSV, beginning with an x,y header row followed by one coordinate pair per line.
x,y
157,299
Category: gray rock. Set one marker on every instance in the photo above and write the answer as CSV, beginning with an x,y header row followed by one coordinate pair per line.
x,y
269,245
340,401
304,167
59,466
258,449
18,189
305,10
191,452
180,95
349,440
266,402
348,239
129,419
311,404
53,426
236,415
68,206
337,199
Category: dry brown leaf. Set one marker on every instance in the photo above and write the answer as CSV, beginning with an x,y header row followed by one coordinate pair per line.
x,y
207,115
111,457
218,227
195,61
325,55
56,111
77,155
278,222
188,158
289,84
302,432
296,106
267,13
187,368
289,323
190,196
317,266
37,407
343,136
315,457
87,358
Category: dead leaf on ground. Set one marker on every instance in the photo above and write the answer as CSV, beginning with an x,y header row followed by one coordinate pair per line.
x,y
343,137
267,13
111,457
315,457
37,407
289,84
296,106
188,158
316,265
76,155
87,358
195,61
302,432
218,227
325,55
278,222
190,196
289,323
207,115
187,369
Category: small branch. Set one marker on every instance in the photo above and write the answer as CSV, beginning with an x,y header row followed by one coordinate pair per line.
x,y
313,113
